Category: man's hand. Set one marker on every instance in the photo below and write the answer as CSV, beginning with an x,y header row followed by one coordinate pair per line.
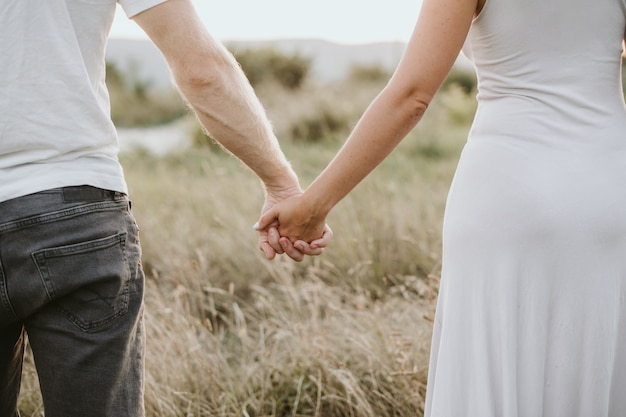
x,y
270,241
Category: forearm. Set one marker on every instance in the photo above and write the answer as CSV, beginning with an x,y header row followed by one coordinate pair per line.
x,y
215,87
230,112
434,46
386,122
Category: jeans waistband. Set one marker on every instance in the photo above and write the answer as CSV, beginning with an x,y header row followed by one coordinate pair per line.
x,y
56,199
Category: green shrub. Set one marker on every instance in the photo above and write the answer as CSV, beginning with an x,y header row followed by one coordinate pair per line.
x,y
135,103
368,73
466,79
267,64
459,105
324,124
200,139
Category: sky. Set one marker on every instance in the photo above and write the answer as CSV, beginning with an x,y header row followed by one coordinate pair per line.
x,y
343,21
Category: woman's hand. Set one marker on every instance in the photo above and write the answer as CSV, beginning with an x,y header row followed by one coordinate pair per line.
x,y
298,224
270,240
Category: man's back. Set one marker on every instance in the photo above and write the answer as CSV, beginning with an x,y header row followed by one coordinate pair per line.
x,y
55,126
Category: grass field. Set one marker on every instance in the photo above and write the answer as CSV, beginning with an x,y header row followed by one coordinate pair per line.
x,y
343,334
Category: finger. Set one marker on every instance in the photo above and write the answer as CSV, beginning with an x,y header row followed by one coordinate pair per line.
x,y
273,237
269,252
290,250
323,241
266,220
306,249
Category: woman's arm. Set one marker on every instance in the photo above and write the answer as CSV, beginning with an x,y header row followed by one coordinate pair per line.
x,y
434,46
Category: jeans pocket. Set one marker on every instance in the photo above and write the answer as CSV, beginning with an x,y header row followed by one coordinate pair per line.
x,y
88,281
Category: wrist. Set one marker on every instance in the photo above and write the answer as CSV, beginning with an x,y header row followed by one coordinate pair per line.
x,y
320,205
283,182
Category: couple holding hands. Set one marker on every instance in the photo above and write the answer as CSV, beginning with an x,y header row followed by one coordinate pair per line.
x,y
531,315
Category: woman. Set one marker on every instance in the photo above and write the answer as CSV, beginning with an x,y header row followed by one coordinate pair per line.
x,y
531,316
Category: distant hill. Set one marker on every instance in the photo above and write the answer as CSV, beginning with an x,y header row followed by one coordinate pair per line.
x,y
330,61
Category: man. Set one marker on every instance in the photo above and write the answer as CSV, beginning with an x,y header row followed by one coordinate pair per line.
x,y
70,273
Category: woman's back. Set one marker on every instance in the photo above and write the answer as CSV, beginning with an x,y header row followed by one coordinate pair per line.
x,y
531,319
552,66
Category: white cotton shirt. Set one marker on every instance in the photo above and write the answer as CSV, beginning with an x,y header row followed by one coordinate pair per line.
x,y
55,125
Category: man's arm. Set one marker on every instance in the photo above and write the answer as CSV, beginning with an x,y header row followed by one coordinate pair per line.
x,y
216,88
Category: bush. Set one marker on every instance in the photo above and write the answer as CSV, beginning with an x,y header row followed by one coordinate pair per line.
x,y
135,103
466,79
368,73
324,124
201,140
460,106
267,64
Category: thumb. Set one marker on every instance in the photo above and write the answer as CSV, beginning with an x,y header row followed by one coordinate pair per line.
x,y
266,219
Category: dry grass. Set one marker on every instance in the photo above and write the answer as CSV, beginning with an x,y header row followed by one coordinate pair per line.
x,y
344,334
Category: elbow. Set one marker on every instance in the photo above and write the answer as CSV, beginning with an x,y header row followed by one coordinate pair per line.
x,y
203,73
413,103
198,77
409,97
417,105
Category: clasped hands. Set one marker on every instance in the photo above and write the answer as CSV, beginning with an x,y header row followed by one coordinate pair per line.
x,y
291,226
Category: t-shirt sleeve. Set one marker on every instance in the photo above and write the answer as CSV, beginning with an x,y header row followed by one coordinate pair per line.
x,y
133,7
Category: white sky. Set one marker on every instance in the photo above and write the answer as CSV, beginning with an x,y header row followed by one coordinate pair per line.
x,y
345,21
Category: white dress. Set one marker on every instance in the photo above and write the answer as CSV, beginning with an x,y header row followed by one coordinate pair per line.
x,y
531,316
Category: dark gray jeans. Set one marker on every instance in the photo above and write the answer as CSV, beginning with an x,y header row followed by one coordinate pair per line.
x,y
71,281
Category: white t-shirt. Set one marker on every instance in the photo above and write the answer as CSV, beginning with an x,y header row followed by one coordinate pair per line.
x,y
55,126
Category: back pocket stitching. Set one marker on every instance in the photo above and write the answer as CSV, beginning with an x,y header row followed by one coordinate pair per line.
x,y
40,257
